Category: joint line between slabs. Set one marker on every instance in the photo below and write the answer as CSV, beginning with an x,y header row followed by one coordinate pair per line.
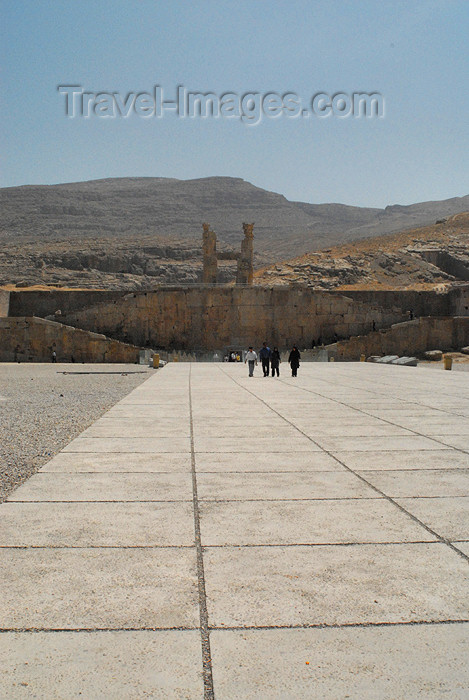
x,y
239,628
340,625
86,630
439,537
204,626
258,545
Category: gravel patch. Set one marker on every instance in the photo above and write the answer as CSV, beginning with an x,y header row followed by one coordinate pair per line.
x,y
42,410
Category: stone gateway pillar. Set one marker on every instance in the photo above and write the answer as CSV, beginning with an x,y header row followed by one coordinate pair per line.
x,y
210,264
245,272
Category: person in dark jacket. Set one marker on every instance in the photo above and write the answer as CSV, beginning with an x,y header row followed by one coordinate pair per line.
x,y
264,355
294,360
275,362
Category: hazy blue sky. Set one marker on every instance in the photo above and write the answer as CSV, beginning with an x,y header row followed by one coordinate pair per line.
x,y
414,52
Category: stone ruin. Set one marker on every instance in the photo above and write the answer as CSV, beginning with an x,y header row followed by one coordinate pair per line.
x,y
245,271
245,258
209,247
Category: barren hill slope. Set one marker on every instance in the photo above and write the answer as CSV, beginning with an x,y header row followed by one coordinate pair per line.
x,y
137,232
421,257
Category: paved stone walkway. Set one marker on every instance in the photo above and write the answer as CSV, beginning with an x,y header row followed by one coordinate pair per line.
x,y
248,538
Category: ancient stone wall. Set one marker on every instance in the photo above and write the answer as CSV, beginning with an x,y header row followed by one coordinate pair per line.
x,y
4,302
207,318
421,303
460,300
33,339
46,302
447,262
410,338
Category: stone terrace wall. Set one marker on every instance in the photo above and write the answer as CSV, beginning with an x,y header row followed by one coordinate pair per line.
x,y
32,340
424,303
204,318
4,302
44,303
446,262
410,338
460,297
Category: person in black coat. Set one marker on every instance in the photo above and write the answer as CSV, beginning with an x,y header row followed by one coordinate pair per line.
x,y
294,360
275,362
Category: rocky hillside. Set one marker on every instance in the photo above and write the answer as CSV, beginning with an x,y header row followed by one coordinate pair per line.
x,y
421,257
106,263
132,233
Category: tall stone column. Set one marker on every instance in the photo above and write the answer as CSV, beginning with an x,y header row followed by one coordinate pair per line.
x,y
245,272
209,247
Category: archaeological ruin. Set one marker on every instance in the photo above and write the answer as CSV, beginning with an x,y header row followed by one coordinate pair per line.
x,y
245,258
118,326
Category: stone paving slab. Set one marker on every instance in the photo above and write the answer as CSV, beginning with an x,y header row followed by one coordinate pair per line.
x,y
98,588
105,487
282,486
364,444
333,585
158,430
128,444
464,547
317,430
212,410
97,525
330,420
309,522
101,665
86,462
415,413
447,516
461,442
203,432
435,425
261,444
433,482
178,404
266,462
156,411
389,663
382,460
151,420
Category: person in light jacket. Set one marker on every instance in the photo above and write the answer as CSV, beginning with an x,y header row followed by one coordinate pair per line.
x,y
251,359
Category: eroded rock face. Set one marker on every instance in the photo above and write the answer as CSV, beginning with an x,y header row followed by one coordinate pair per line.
x,y
431,255
119,267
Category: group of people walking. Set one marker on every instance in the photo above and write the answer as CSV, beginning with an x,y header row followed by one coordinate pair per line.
x,y
270,360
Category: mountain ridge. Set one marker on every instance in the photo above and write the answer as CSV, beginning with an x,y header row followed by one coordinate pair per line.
x,y
150,228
